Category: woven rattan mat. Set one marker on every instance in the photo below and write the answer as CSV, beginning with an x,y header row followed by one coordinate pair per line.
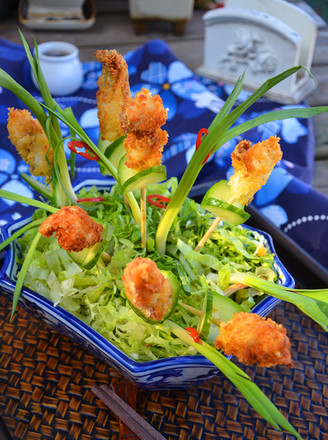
x,y
46,380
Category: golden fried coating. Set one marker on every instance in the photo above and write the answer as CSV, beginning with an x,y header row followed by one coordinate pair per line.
x,y
113,93
29,139
145,151
144,113
142,118
147,288
254,339
253,166
73,228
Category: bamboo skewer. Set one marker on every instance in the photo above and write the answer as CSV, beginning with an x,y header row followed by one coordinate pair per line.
x,y
208,233
210,230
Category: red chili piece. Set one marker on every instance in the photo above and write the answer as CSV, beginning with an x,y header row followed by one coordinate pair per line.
x,y
158,200
73,145
193,333
199,141
91,199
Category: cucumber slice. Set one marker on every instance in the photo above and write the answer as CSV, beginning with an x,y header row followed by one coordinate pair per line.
x,y
176,286
224,308
103,143
221,190
113,151
216,200
87,258
226,211
205,321
131,180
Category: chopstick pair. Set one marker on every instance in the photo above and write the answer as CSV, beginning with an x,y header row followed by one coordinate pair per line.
x,y
124,412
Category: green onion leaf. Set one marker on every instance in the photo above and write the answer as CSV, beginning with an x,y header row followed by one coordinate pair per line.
x,y
205,321
42,189
219,132
69,119
313,303
22,273
7,82
275,115
22,199
20,232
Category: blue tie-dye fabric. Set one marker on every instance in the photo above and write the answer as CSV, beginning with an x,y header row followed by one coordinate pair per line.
x,y
287,199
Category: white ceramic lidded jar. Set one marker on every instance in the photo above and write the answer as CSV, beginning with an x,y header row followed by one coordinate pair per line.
x,y
61,67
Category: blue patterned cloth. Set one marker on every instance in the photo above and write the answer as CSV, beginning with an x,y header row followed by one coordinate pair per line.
x,y
287,199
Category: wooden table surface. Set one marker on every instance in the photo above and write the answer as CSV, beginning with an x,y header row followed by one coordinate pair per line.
x,y
114,29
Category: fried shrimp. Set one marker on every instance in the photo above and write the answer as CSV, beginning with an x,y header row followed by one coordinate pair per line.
x,y
29,139
144,113
254,339
73,228
253,166
147,289
142,118
113,93
145,151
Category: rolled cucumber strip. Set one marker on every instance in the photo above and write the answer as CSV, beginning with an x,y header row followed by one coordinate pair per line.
x,y
131,180
88,257
217,201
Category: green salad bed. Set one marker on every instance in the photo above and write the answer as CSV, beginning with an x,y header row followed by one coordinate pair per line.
x,y
96,296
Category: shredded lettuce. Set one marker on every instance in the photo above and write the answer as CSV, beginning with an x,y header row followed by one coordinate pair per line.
x,y
96,296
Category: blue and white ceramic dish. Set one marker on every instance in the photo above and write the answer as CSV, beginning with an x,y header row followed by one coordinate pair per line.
x,y
169,373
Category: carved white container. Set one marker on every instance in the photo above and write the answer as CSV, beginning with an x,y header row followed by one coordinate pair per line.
x,y
262,45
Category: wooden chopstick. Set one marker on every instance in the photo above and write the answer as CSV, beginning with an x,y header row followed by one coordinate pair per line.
x,y
129,416
128,392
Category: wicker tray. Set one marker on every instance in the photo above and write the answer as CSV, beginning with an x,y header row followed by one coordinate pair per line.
x,y
46,380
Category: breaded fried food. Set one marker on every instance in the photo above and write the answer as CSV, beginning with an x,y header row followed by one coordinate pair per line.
x,y
73,228
147,288
254,339
145,151
29,139
113,93
144,113
253,166
142,118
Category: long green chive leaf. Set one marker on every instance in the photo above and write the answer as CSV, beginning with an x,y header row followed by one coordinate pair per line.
x,y
312,303
73,136
275,115
219,133
72,164
22,199
22,273
72,123
256,398
73,200
20,232
229,103
36,69
42,189
7,82
50,125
